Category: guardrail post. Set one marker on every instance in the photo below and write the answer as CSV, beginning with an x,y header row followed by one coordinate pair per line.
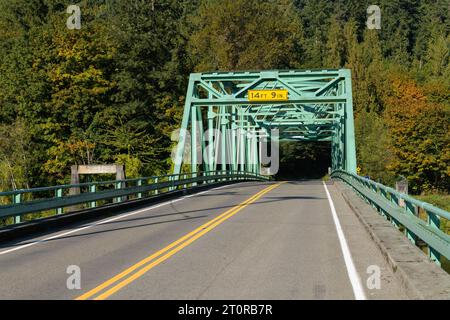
x,y
59,194
375,189
93,189
171,183
139,184
410,209
17,198
118,186
384,214
194,175
184,178
412,206
156,182
434,221
394,199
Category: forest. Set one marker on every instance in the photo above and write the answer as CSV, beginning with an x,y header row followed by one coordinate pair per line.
x,y
113,91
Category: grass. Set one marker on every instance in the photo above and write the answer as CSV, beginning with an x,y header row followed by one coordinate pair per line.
x,y
439,200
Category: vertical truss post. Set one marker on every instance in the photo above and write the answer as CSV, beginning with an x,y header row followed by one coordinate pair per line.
x,y
201,138
241,141
248,149
223,139
338,141
210,156
341,144
233,139
184,126
194,142
350,148
258,153
334,150
255,152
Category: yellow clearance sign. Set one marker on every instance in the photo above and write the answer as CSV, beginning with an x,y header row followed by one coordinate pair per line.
x,y
268,95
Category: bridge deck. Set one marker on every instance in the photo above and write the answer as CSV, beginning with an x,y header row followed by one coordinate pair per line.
x,y
284,245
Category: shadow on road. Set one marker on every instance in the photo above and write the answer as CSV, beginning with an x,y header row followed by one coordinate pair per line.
x,y
207,211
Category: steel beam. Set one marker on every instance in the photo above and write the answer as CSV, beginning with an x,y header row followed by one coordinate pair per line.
x,y
319,108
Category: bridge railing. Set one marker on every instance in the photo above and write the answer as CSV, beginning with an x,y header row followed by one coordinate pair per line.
x,y
30,204
420,221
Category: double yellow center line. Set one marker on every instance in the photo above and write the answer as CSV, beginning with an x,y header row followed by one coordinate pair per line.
x,y
111,286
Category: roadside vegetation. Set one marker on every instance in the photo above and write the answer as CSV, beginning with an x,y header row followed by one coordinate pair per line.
x,y
113,91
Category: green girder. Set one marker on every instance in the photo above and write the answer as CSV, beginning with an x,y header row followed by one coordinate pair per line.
x,y
319,108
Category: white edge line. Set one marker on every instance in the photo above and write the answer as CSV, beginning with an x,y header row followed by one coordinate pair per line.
x,y
355,280
107,221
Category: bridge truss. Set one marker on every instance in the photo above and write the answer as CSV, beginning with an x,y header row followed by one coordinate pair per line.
x,y
222,129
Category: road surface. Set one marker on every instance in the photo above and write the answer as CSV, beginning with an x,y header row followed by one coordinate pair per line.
x,y
253,240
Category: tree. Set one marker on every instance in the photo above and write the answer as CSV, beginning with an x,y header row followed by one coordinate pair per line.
x,y
335,49
372,146
228,35
150,77
113,91
15,144
400,21
419,137
438,56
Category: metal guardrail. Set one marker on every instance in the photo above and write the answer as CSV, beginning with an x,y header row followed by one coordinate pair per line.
x,y
403,212
90,195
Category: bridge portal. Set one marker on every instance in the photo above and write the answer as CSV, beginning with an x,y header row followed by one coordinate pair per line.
x,y
230,116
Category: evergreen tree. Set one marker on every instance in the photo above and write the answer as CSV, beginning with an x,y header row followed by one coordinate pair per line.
x,y
113,91
228,35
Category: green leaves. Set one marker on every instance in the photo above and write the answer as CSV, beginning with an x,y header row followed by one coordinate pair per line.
x,y
95,95
245,35
15,146
114,90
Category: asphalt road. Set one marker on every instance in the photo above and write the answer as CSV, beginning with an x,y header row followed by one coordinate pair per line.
x,y
242,241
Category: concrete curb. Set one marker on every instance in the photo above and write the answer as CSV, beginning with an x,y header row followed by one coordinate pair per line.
x,y
421,279
53,223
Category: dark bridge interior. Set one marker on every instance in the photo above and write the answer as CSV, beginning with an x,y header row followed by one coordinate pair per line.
x,y
304,160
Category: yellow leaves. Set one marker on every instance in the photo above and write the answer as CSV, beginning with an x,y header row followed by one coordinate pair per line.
x,y
67,153
76,147
419,131
36,63
404,87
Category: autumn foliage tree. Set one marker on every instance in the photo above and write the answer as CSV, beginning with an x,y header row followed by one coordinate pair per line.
x,y
419,137
113,91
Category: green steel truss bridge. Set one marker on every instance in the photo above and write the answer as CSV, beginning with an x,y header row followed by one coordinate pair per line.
x,y
220,226
318,107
